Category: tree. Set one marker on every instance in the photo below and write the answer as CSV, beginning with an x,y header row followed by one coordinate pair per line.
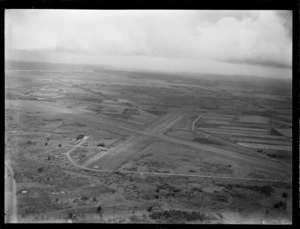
x,y
284,195
40,169
99,209
59,145
46,143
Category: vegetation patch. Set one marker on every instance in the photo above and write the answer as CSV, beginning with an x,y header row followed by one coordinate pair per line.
x,y
265,190
178,216
206,141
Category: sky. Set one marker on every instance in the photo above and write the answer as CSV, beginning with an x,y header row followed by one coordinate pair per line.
x,y
240,42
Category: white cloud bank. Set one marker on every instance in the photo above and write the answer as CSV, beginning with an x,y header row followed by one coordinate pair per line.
x,y
257,42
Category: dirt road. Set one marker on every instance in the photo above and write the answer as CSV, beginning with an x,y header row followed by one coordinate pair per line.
x,y
193,125
11,214
170,174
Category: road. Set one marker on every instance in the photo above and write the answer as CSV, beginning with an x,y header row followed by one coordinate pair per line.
x,y
164,174
85,138
11,214
158,126
193,125
177,174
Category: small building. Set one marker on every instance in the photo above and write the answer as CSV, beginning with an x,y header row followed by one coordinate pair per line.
x,y
85,143
79,137
103,149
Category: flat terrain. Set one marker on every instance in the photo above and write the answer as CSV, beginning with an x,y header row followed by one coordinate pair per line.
x,y
132,147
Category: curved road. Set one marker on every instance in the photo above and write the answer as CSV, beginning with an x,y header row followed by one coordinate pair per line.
x,y
164,174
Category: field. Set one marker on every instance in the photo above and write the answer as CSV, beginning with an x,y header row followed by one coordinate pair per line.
x,y
87,144
254,132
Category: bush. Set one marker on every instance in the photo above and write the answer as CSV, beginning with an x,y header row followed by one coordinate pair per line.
x,y
280,204
99,209
178,216
83,197
284,195
40,169
134,219
267,190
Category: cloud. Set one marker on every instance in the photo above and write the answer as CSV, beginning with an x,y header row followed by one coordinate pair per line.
x,y
286,19
247,37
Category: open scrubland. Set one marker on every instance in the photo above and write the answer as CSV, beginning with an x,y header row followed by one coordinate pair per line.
x,y
88,144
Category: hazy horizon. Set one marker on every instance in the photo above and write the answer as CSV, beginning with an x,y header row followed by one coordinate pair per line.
x,y
224,42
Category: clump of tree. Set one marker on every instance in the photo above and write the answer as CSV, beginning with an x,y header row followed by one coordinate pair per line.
x,y
179,216
149,209
84,197
31,143
99,208
134,219
70,215
40,169
284,195
280,204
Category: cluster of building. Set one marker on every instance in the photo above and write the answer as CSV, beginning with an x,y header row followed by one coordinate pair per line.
x,y
78,139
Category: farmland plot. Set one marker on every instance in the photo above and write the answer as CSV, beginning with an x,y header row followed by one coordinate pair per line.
x,y
285,131
265,146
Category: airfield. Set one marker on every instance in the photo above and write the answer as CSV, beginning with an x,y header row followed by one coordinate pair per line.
x,y
86,144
